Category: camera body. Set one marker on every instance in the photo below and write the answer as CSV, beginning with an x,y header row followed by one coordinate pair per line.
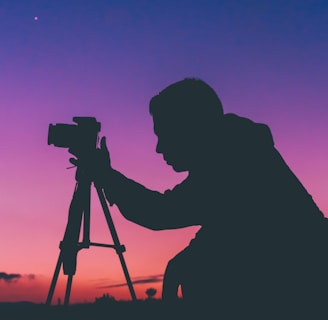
x,y
79,138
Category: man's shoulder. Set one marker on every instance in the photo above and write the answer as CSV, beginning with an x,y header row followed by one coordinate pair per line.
x,y
246,132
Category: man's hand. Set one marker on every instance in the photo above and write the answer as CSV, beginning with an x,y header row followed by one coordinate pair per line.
x,y
102,162
98,166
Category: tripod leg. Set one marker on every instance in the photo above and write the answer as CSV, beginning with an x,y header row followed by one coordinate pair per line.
x,y
68,289
54,280
69,247
118,246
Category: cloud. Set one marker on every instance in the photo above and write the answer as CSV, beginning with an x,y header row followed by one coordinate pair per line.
x,y
139,280
31,276
9,277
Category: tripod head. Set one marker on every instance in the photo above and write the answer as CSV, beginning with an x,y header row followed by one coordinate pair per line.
x,y
81,139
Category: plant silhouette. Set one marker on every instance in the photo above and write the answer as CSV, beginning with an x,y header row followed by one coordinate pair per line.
x,y
151,292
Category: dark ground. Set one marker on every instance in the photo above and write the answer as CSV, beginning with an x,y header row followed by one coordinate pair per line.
x,y
121,310
139,310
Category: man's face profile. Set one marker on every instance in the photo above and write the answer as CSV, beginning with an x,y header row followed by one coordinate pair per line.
x,y
172,144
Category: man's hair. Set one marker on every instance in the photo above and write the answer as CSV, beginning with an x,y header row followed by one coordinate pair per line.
x,y
191,99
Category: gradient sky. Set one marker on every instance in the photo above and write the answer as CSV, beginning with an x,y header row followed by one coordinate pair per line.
x,y
267,60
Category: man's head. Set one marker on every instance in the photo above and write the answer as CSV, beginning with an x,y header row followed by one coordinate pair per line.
x,y
186,114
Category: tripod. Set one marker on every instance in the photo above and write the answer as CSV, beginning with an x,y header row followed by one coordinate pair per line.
x,y
69,247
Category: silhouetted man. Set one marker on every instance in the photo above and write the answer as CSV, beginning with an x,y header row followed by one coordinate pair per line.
x,y
261,247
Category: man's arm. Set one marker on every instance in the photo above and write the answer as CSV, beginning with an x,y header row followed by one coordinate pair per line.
x,y
154,210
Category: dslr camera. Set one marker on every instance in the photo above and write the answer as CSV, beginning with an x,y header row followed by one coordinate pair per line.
x,y
79,138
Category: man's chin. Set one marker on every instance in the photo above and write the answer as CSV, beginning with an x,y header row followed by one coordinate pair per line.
x,y
178,168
